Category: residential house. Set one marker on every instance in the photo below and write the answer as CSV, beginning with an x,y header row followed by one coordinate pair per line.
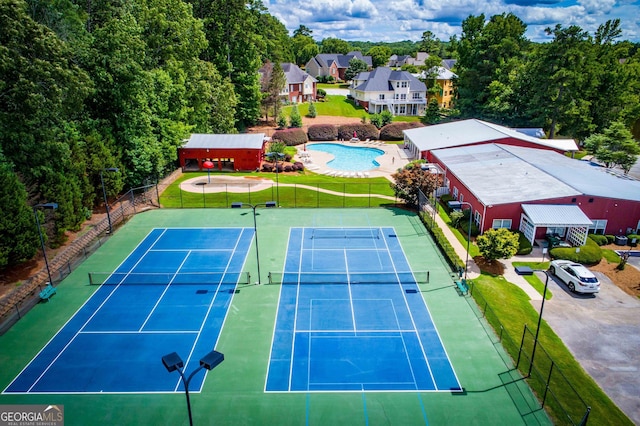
x,y
387,89
333,64
444,79
300,87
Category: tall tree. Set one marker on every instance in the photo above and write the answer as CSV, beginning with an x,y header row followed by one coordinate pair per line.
x,y
356,66
273,82
487,52
18,235
430,43
614,147
302,30
379,55
304,48
334,45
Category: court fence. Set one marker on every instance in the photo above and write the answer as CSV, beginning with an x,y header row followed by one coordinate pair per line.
x,y
20,300
551,386
311,195
544,376
324,278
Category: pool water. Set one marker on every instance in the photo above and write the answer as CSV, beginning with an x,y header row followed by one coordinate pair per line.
x,y
349,158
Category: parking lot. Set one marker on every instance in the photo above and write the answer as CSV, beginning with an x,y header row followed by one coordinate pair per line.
x,y
603,333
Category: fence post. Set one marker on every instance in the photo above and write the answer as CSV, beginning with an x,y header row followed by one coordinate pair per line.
x,y
521,345
204,199
546,386
226,192
133,201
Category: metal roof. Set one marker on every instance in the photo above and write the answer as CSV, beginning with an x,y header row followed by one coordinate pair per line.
x,y
556,215
502,174
379,80
472,131
228,141
585,177
495,176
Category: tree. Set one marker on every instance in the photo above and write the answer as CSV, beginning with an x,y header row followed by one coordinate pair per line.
x,y
334,45
273,82
497,244
302,30
356,66
430,43
295,120
18,234
614,147
432,113
304,48
411,180
312,110
379,55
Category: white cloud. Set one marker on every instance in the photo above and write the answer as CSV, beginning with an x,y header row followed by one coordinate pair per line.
x,y
395,20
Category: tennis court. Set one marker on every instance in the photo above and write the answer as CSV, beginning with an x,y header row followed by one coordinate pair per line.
x,y
363,347
170,294
350,317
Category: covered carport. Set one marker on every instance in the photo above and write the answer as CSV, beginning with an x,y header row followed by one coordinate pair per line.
x,y
569,219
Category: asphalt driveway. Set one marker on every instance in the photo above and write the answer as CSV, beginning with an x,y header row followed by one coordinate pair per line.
x,y
603,333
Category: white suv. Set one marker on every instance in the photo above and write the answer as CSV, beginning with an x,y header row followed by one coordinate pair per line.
x,y
577,277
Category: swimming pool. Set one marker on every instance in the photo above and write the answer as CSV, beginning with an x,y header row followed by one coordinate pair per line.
x,y
349,158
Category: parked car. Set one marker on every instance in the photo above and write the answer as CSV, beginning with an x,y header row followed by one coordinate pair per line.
x,y
576,276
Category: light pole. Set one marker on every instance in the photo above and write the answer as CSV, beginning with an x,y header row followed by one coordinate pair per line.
x,y
271,156
466,262
268,204
535,341
173,362
104,193
50,206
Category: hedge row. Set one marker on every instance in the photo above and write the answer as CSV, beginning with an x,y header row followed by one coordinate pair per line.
x,y
590,253
291,137
322,132
442,242
360,130
393,131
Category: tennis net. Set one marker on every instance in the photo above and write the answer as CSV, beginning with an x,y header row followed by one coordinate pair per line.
x,y
318,233
408,277
191,278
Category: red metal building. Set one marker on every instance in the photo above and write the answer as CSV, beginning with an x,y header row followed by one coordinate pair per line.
x,y
233,152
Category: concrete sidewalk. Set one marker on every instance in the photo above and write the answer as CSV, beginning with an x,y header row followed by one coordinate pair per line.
x,y
473,271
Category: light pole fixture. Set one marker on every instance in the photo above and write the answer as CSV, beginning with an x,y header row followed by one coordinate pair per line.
x,y
535,341
271,156
268,204
47,206
466,262
172,362
104,193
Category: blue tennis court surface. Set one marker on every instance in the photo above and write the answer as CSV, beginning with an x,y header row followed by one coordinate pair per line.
x,y
171,294
352,318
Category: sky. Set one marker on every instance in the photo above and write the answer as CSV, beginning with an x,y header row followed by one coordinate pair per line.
x,y
397,20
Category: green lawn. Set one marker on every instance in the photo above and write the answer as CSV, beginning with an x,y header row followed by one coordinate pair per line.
x,y
533,279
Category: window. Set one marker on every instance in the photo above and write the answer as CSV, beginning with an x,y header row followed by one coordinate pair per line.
x,y
405,84
455,192
573,200
397,84
381,96
591,200
417,96
403,96
501,223
598,226
403,110
477,218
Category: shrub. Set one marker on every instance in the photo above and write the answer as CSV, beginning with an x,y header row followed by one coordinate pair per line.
x,y
291,137
611,239
321,93
267,167
322,132
295,120
630,238
312,111
474,228
281,120
393,131
387,117
524,245
601,240
298,166
376,120
363,131
590,253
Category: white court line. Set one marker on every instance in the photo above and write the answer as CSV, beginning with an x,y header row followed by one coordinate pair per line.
x,y
353,313
295,317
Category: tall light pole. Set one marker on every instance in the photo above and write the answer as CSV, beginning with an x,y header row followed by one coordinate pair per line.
x,y
49,206
173,362
104,193
535,341
466,262
271,156
268,204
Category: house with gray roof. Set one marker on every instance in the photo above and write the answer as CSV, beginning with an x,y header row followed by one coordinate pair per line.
x,y
392,90
300,87
334,64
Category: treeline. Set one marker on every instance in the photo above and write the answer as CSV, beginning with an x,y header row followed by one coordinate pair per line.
x,y
92,85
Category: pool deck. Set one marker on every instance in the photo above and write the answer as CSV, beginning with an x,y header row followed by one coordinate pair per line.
x,y
394,157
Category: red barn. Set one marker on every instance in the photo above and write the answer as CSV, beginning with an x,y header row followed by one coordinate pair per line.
x,y
233,152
